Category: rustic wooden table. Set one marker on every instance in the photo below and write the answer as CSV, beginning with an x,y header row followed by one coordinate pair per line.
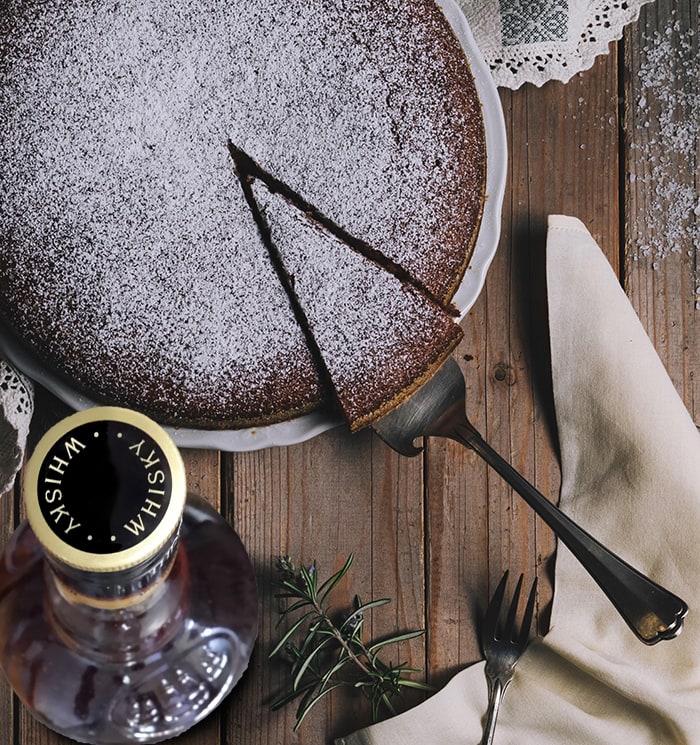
x,y
617,147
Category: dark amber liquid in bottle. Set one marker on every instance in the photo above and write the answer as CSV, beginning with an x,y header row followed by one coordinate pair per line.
x,y
140,669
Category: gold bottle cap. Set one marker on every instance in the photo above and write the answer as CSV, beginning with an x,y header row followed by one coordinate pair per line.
x,y
105,490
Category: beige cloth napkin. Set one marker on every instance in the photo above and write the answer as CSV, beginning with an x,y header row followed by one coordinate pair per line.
x,y
631,476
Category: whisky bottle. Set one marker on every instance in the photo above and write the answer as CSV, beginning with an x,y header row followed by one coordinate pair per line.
x,y
128,609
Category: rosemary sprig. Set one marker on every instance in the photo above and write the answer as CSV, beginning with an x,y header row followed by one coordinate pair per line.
x,y
327,653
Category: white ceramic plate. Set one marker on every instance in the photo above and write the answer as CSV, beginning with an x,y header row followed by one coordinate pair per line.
x,y
308,426
496,163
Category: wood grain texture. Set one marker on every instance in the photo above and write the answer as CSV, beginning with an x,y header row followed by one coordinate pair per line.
x,y
559,135
434,533
323,500
7,702
662,196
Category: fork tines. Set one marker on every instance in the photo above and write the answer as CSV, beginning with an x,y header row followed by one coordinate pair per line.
x,y
493,612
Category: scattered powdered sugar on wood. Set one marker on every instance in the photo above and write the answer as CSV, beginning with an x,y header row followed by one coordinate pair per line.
x,y
666,131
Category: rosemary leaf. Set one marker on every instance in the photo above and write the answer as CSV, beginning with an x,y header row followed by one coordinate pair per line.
x,y
397,639
326,652
289,633
309,703
328,586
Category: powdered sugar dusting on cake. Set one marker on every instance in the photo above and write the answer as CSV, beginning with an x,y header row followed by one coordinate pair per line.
x,y
376,335
117,190
398,162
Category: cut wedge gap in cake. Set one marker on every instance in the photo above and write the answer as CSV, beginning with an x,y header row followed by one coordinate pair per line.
x,y
248,167
377,338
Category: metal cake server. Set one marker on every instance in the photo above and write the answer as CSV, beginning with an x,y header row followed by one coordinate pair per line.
x,y
438,409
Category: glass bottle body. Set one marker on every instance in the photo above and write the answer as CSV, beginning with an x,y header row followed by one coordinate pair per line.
x,y
140,669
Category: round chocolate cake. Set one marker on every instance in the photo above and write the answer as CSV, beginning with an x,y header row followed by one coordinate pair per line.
x,y
130,261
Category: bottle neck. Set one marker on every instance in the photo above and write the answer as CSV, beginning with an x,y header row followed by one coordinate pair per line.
x,y
127,626
122,587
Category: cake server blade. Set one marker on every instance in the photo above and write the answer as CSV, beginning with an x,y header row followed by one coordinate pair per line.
x,y
438,409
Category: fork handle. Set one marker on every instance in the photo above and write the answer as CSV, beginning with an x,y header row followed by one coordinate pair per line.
x,y
652,612
496,691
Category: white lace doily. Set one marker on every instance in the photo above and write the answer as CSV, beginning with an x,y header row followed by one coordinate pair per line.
x,y
17,399
533,41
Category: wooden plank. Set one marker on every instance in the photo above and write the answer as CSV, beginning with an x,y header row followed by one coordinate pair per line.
x,y
563,142
398,557
322,500
662,161
565,137
203,469
7,705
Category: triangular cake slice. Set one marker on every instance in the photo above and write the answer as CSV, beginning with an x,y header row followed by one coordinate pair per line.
x,y
249,170
378,337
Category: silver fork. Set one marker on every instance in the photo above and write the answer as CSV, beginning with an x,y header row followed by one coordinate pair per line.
x,y
502,646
